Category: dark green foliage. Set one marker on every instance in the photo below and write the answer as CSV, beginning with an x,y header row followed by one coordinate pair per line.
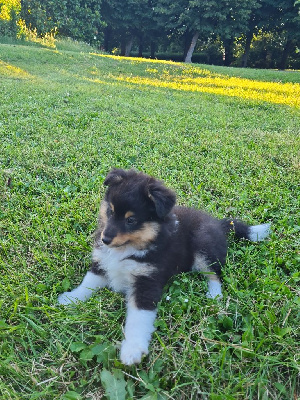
x,y
258,33
78,19
128,21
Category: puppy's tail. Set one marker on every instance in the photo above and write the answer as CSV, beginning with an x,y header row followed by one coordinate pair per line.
x,y
255,233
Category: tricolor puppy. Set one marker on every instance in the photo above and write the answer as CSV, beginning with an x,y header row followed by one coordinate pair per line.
x,y
142,240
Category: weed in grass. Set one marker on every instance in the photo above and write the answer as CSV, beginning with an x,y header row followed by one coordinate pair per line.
x,y
67,117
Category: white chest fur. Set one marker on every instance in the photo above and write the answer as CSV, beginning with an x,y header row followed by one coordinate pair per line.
x,y
121,271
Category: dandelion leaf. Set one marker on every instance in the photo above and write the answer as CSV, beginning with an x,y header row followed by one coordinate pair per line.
x,y
114,384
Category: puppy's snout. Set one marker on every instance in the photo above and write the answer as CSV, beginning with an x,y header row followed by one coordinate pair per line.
x,y
106,240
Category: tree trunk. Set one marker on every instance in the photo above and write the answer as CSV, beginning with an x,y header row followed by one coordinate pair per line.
x,y
107,32
285,55
141,42
249,38
152,49
188,58
187,42
228,45
128,46
123,46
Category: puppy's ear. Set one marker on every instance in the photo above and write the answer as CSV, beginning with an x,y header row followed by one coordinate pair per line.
x,y
163,198
116,175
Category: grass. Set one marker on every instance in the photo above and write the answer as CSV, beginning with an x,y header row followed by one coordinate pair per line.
x,y
67,117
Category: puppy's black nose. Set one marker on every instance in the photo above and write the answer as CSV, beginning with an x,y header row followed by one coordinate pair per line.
x,y
106,240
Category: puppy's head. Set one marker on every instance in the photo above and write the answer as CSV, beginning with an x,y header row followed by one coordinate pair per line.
x,y
134,207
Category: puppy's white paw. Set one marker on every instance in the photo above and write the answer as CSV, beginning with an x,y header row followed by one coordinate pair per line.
x,y
131,353
214,289
67,298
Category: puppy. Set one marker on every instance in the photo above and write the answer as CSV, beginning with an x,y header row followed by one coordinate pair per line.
x,y
142,240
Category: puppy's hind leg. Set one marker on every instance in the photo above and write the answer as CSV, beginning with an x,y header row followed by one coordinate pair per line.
x,y
214,284
214,287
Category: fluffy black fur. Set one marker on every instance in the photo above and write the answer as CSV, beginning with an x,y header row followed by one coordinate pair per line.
x,y
142,240
183,232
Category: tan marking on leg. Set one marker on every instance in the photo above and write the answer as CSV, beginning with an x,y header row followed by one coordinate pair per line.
x,y
200,264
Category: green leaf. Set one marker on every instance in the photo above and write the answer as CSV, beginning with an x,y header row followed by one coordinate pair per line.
x,y
40,288
86,355
114,384
98,349
282,331
227,323
105,353
65,284
71,395
38,329
77,346
149,396
3,324
154,396
280,387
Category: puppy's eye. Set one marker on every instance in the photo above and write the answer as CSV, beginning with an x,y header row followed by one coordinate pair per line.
x,y
130,221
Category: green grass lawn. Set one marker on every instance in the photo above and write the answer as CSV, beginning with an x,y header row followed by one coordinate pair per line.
x,y
227,140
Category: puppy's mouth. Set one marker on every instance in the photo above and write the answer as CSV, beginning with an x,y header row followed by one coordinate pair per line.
x,y
115,242
116,245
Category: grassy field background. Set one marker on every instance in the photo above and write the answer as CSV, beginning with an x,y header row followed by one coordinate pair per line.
x,y
227,140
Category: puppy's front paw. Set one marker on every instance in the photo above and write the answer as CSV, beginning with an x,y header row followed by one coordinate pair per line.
x,y
67,298
131,353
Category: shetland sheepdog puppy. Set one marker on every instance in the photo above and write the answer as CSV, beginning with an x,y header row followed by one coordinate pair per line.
x,y
142,240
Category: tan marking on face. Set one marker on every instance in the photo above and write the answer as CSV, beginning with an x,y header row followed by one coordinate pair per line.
x,y
129,214
103,209
112,207
103,214
139,239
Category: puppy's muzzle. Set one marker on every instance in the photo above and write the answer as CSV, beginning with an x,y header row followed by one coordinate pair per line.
x,y
106,240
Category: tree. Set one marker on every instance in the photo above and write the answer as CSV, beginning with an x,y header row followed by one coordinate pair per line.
x,y
128,21
9,11
235,23
7,7
202,19
79,19
277,16
289,26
